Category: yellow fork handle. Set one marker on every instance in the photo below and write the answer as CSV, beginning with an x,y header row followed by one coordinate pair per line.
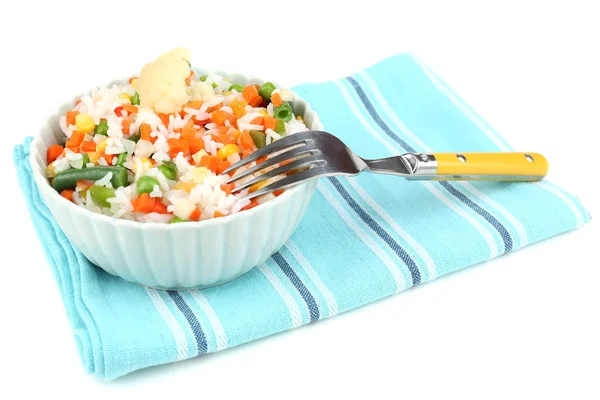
x,y
491,166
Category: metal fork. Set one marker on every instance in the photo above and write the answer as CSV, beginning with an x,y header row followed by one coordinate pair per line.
x,y
321,154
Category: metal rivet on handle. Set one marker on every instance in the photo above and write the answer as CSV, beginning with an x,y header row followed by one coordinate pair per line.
x,y
461,157
529,158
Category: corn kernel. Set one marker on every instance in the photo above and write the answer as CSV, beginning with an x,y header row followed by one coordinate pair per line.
x,y
125,96
187,186
258,185
84,123
198,156
299,118
100,147
146,164
134,82
264,112
199,174
94,156
50,172
227,150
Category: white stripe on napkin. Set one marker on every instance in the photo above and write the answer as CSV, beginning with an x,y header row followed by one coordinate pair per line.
x,y
171,321
285,295
212,318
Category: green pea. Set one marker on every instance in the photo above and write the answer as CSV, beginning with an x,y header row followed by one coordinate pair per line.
x,y
135,138
146,184
121,159
283,112
236,87
214,85
266,90
135,99
279,127
259,138
101,194
101,128
203,78
176,220
170,172
86,159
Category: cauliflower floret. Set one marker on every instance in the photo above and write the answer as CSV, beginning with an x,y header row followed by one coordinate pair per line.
x,y
161,84
201,91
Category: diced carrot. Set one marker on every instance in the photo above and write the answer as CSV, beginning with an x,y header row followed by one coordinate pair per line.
x,y
246,141
253,203
164,118
145,131
144,203
222,165
125,126
238,107
88,146
261,160
258,120
227,188
119,111
131,79
73,148
53,153
195,215
226,139
188,80
67,194
194,104
250,93
195,146
276,100
278,192
270,122
78,101
223,130
71,117
218,214
218,117
108,157
77,138
236,134
188,132
210,162
178,145
160,208
131,109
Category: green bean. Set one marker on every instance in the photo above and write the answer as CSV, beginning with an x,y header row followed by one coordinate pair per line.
x,y
259,138
101,194
236,87
101,128
135,138
146,184
135,99
189,64
86,159
283,112
121,159
266,90
169,171
68,179
279,127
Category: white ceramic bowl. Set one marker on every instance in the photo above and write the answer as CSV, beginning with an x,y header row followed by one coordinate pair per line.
x,y
176,256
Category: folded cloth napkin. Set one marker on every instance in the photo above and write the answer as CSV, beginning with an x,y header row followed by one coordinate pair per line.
x,y
361,239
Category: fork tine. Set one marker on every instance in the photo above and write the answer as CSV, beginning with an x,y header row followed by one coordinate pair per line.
x,y
292,180
274,160
288,141
303,162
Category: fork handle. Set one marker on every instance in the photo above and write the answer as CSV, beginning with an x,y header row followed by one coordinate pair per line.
x,y
508,166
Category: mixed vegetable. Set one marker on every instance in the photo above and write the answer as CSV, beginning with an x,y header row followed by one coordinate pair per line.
x,y
155,149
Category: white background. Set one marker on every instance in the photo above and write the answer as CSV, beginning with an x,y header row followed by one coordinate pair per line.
x,y
530,70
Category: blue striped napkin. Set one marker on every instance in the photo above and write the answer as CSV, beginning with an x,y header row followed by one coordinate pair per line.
x,y
362,238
